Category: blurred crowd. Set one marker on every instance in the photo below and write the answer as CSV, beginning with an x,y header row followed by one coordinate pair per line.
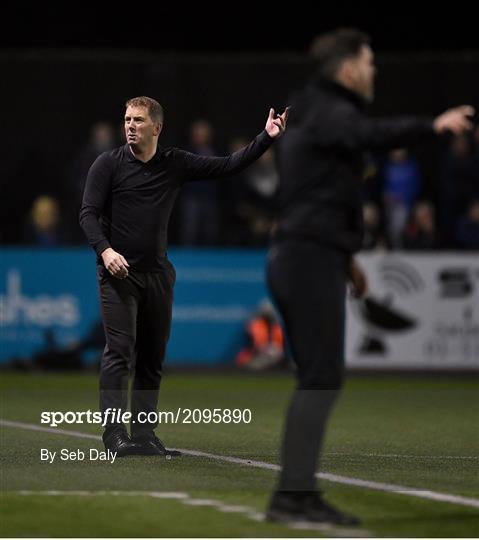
x,y
402,209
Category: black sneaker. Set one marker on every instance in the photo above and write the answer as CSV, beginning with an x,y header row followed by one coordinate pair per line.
x,y
152,446
285,507
290,507
319,511
119,442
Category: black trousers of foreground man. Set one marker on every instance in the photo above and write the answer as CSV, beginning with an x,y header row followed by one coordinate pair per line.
x,y
308,284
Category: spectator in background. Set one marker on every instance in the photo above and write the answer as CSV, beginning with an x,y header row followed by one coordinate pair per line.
x,y
475,138
43,227
467,232
265,347
236,232
372,185
101,140
459,184
200,200
420,232
121,137
402,182
257,204
373,237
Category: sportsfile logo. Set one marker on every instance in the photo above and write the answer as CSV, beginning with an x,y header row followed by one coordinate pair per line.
x,y
117,416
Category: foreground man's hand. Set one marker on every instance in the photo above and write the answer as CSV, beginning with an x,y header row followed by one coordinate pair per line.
x,y
358,280
455,120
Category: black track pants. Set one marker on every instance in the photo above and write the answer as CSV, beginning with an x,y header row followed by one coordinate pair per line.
x,y
136,314
308,285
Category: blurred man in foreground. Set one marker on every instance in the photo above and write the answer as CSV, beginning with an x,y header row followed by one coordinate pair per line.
x,y
319,229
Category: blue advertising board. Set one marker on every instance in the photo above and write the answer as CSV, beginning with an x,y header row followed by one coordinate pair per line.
x,y
51,294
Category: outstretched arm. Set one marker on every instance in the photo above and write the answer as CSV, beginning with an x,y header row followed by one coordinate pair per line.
x,y
356,130
207,167
402,130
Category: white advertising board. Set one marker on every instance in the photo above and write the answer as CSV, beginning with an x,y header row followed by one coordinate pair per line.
x,y
422,312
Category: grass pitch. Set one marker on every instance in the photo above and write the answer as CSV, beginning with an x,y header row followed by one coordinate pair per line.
x,y
415,432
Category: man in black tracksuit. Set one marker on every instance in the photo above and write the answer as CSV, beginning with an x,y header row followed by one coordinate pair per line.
x,y
320,162
128,198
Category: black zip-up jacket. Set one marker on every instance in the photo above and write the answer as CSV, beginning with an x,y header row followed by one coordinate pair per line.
x,y
320,161
127,203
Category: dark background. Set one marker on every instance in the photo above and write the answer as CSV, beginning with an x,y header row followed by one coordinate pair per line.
x,y
239,26
65,68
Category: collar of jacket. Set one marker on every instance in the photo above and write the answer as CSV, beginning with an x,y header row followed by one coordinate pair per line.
x,y
340,90
130,156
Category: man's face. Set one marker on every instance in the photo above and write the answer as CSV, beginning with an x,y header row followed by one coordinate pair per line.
x,y
362,73
140,130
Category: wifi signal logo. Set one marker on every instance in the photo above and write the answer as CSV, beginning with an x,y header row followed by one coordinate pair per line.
x,y
400,278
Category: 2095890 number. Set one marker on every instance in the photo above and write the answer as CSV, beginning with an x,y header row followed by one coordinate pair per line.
x,y
216,416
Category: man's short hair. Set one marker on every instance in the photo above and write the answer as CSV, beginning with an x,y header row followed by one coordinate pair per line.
x,y
155,110
330,50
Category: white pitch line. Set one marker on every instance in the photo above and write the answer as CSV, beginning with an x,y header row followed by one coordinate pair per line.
x,y
185,498
380,486
84,435
402,456
35,427
201,502
348,480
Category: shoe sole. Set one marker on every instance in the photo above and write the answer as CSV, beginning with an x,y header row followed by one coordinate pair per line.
x,y
168,453
276,516
286,518
123,454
